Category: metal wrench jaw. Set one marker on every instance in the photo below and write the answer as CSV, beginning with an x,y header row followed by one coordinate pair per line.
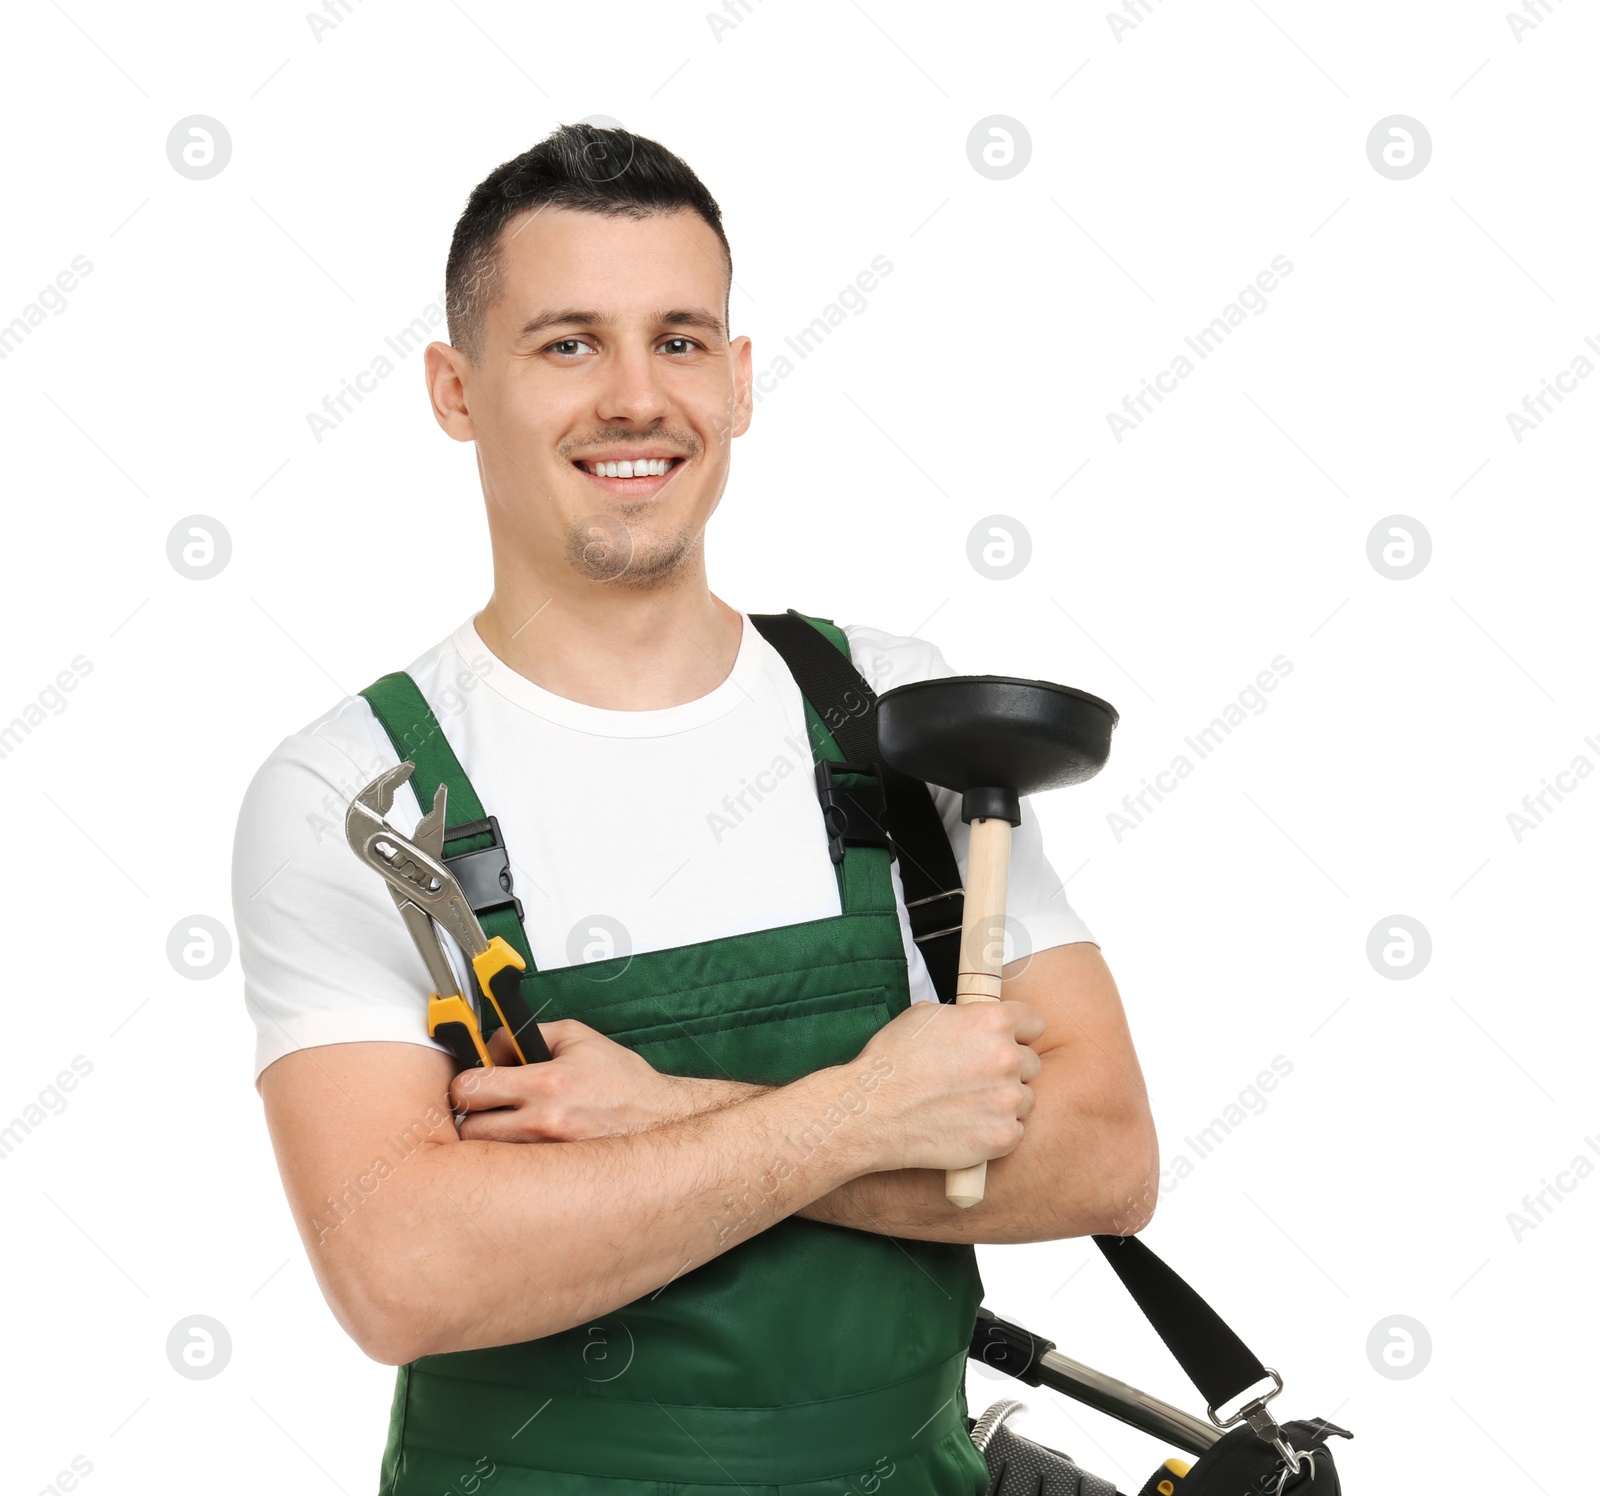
x,y
429,834
378,796
412,865
368,811
364,817
383,848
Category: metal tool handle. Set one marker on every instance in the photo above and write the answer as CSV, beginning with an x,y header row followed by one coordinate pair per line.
x,y
1006,1347
1125,1403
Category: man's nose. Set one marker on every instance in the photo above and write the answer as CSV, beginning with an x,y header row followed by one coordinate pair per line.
x,y
633,390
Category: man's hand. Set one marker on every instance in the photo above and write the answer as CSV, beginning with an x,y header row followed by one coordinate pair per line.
x,y
933,1089
959,1089
592,1087
955,1088
1088,1161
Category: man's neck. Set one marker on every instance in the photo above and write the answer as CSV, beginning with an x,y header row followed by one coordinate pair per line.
x,y
622,651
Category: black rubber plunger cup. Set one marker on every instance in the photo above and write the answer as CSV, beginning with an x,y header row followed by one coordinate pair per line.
x,y
992,738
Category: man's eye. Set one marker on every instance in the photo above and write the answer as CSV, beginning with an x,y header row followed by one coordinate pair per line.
x,y
684,344
566,343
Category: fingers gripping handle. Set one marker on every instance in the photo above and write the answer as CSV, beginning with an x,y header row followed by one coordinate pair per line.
x,y
983,932
498,970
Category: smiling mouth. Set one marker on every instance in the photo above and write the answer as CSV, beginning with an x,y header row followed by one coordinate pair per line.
x,y
637,477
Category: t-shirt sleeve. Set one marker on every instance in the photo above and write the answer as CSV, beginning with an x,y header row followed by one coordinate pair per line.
x,y
1038,915
325,955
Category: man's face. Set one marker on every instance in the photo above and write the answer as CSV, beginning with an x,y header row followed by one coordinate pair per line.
x,y
607,345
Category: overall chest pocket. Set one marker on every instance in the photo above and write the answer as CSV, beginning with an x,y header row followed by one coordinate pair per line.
x,y
765,1007
769,1044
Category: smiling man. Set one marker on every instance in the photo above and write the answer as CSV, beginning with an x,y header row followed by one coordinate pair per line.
x,y
706,1245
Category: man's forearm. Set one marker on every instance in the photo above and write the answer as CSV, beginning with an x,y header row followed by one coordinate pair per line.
x,y
1055,1184
703,1095
1069,1176
538,1239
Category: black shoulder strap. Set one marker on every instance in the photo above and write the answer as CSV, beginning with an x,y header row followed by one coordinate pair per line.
x,y
1216,1360
1221,1365
847,704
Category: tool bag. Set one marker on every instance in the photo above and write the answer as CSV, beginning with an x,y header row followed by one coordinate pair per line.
x,y
1254,1456
1019,1467
1236,1466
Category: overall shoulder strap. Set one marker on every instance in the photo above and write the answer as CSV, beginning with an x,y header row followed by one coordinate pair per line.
x,y
472,844
818,656
405,715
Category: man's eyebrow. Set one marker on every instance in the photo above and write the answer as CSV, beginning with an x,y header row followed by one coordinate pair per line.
x,y
691,317
569,316
559,317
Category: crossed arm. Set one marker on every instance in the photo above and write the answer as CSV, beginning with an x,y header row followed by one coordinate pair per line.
x,y
1089,1134
428,1237
1090,1131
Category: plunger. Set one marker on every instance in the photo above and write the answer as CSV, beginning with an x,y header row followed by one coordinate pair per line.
x,y
993,739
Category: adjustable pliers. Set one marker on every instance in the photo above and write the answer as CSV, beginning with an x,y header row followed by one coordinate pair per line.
x,y
428,898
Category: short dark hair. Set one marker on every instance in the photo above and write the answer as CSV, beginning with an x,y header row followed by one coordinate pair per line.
x,y
586,167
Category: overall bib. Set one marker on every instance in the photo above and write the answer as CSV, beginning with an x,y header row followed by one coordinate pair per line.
x,y
808,1360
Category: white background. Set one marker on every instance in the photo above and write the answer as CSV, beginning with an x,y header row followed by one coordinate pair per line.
x,y
1168,168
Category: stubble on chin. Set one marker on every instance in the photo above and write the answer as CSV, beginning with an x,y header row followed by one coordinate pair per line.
x,y
604,548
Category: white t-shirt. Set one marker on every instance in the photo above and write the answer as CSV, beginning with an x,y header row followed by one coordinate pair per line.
x,y
626,831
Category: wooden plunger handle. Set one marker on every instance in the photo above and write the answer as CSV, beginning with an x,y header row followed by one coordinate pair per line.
x,y
983,942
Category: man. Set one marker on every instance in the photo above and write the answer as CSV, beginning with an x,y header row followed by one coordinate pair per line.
x,y
727,1260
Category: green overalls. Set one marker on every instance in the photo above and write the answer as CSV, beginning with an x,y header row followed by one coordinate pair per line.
x,y
809,1359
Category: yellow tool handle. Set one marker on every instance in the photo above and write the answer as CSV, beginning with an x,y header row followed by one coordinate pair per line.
x,y
499,972
451,1020
453,1023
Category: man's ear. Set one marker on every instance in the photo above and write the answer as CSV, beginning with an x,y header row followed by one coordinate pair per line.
x,y
743,397
447,371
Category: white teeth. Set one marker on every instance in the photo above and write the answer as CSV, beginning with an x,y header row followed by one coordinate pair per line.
x,y
642,467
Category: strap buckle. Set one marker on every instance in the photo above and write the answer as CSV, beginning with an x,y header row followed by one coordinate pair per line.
x,y
1265,1426
853,814
934,911
484,875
